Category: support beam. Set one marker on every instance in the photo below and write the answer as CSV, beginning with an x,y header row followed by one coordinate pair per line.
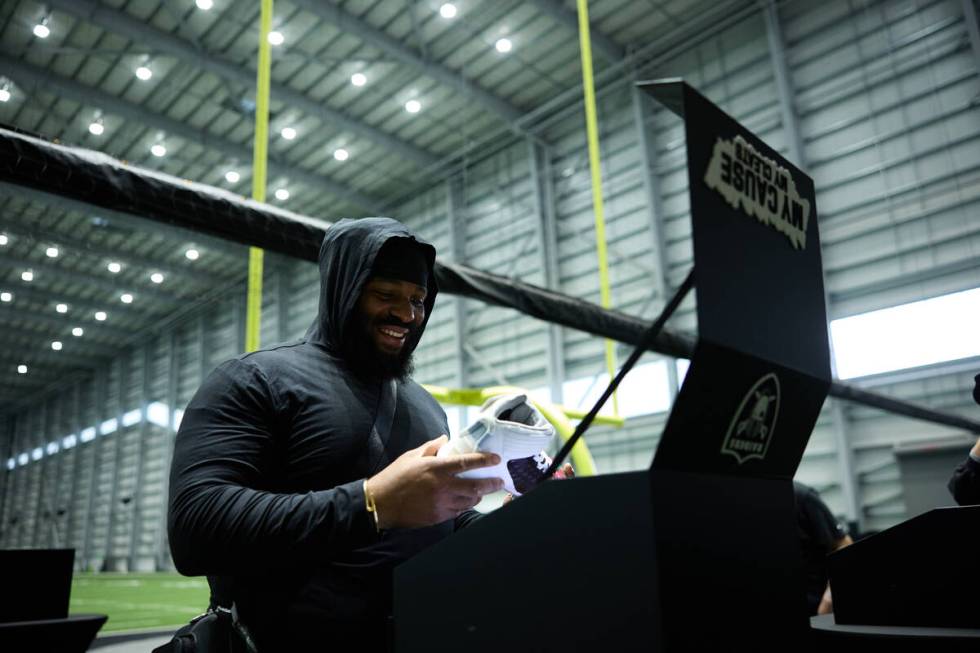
x,y
164,562
134,223
98,329
655,212
847,470
141,32
972,29
76,458
349,24
44,358
546,232
143,432
44,269
568,18
95,447
29,340
71,241
777,54
457,247
78,310
29,76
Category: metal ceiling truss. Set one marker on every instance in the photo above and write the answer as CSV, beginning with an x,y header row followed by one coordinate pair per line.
x,y
134,224
29,76
43,296
75,348
45,269
569,18
130,27
350,24
71,242
94,328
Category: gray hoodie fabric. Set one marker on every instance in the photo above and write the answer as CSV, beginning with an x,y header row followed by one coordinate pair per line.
x,y
266,482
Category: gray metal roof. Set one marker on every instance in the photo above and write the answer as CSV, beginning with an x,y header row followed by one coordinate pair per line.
x,y
199,103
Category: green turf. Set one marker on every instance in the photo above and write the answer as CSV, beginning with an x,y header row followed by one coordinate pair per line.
x,y
136,601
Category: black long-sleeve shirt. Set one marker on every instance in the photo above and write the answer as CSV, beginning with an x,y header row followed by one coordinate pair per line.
x,y
266,493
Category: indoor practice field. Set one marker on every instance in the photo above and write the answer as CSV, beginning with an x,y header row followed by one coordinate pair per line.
x,y
139,601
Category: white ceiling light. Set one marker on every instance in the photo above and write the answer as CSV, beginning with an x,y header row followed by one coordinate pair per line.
x,y
276,38
358,79
56,345
4,94
126,298
144,73
156,277
52,252
3,239
448,10
22,369
282,194
341,154
77,332
232,176
413,106
192,254
100,316
27,275
6,297
114,267
158,149
204,5
96,128
41,30
503,45
288,133
61,308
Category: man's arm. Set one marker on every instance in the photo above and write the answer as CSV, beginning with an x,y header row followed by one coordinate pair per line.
x,y
218,521
965,483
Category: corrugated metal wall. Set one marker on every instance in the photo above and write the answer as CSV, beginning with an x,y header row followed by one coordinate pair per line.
x,y
880,107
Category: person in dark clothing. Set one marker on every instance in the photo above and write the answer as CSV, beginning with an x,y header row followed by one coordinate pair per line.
x,y
965,483
820,534
303,473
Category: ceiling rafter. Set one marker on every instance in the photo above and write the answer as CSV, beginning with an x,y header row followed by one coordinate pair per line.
x,y
33,342
558,11
130,27
350,24
44,296
29,76
93,327
44,269
133,223
48,357
71,242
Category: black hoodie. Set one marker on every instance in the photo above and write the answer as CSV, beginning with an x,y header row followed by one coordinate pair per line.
x,y
266,490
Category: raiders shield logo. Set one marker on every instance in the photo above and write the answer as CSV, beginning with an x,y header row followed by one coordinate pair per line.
x,y
752,428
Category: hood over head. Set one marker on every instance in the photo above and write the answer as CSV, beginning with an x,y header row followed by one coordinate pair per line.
x,y
347,257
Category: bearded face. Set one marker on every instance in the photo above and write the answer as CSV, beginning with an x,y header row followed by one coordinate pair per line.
x,y
386,321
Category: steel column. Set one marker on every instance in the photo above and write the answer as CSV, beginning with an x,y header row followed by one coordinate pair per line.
x,y
546,231
651,189
457,245
850,483
163,543
136,526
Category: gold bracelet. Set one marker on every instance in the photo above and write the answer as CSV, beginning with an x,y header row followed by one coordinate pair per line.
x,y
371,506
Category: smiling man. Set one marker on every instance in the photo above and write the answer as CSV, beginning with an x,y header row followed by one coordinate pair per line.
x,y
304,472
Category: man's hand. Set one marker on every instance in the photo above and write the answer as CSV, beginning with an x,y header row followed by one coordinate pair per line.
x,y
418,489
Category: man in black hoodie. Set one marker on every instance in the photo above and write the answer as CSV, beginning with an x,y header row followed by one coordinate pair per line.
x,y
282,452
